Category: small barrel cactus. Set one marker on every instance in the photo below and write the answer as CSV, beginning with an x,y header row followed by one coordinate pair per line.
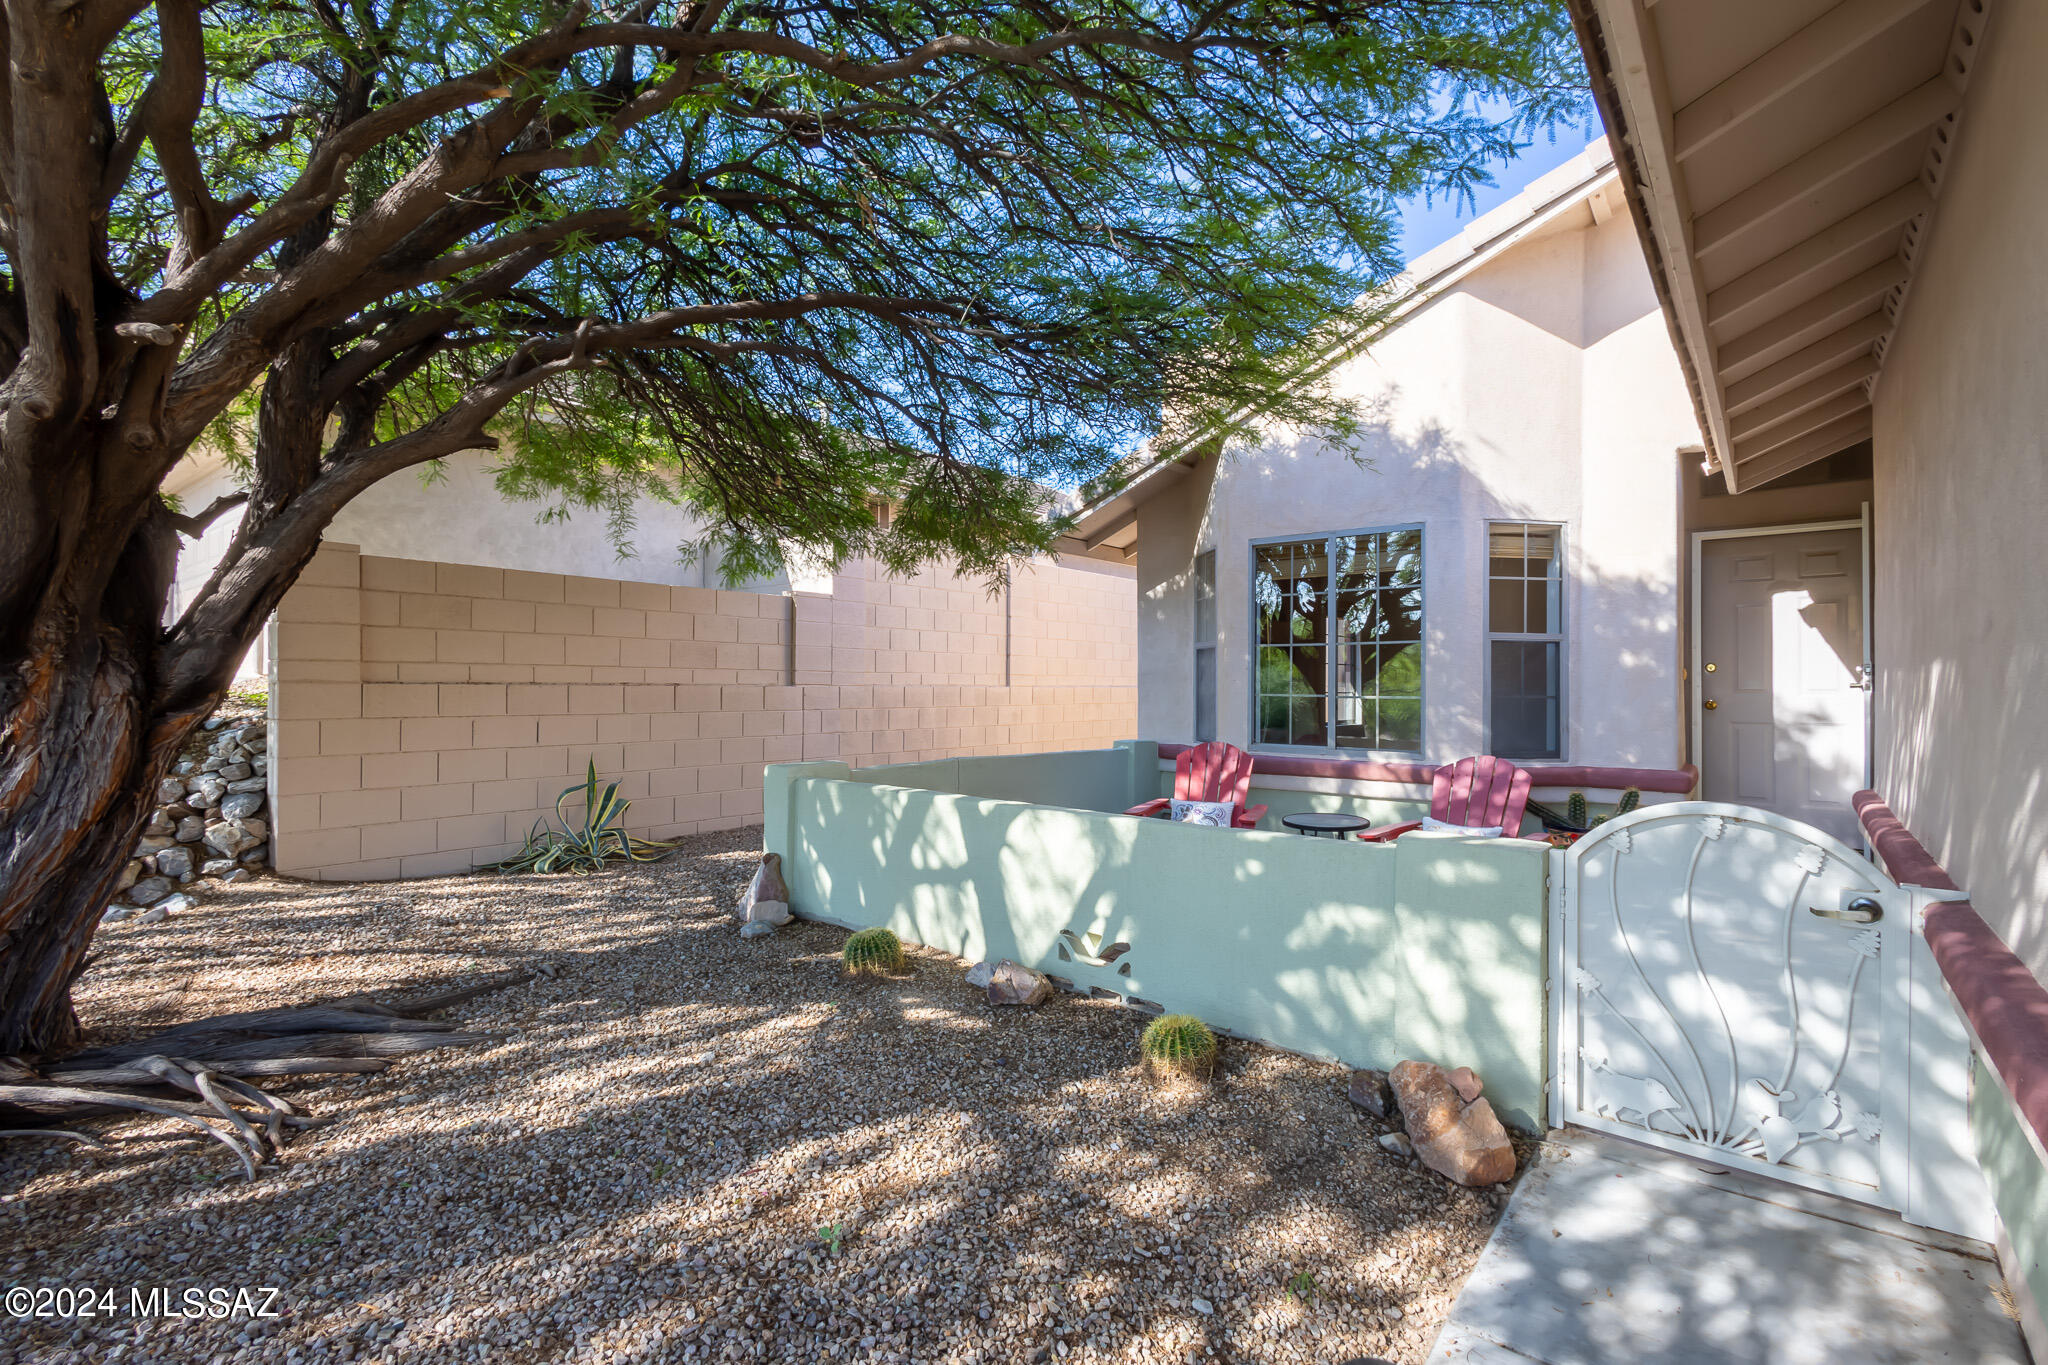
x,y
1630,799
1575,810
1179,1043
872,950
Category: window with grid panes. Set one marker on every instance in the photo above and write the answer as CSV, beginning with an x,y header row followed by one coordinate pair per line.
x,y
1338,659
1525,639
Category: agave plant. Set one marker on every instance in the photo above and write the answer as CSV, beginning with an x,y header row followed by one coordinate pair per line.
x,y
584,845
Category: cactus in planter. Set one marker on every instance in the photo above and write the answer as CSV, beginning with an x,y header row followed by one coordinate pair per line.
x,y
1575,810
1630,799
1179,1043
872,951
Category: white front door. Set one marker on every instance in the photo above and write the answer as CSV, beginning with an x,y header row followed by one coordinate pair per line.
x,y
1783,715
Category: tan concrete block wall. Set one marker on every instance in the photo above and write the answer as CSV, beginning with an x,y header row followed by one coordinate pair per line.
x,y
427,714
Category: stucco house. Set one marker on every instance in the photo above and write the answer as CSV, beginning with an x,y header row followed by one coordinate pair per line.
x,y
1504,564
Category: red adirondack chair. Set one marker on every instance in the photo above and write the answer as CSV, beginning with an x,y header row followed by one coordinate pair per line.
x,y
1473,791
1210,772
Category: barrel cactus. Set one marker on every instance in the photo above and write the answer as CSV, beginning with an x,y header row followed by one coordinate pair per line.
x,y
1180,1044
872,951
1630,799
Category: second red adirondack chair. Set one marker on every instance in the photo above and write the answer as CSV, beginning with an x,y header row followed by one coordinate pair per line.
x,y
1210,772
1480,792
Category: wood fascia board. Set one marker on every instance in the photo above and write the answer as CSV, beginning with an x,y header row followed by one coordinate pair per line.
x,y
1817,445
1637,76
1784,68
1906,117
1804,397
1783,273
1796,327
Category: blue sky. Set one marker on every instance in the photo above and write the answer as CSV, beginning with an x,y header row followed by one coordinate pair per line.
x,y
1426,225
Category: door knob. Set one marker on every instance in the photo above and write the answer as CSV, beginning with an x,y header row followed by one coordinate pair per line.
x,y
1710,668
1713,705
1859,910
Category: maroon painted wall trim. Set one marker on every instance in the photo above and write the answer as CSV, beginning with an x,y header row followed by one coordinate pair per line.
x,y
1904,856
2006,1004
1674,780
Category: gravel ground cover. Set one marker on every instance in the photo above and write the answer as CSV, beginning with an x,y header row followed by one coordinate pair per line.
x,y
690,1147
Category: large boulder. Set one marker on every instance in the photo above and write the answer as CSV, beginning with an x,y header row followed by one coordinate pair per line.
x,y
1012,984
1460,1140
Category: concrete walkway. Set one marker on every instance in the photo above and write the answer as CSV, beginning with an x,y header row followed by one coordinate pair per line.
x,y
1611,1252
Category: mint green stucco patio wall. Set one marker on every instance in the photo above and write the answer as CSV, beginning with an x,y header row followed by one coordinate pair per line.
x,y
1429,948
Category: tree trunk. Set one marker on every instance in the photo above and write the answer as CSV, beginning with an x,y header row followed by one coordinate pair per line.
x,y
78,773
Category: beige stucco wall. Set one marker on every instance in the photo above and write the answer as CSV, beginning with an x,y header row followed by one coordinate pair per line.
x,y
1542,387
1961,465
427,713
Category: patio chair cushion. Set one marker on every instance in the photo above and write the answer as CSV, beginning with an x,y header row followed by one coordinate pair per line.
x,y
1217,813
1432,825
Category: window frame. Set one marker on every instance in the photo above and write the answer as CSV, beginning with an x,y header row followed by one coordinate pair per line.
x,y
1331,749
1200,645
1557,636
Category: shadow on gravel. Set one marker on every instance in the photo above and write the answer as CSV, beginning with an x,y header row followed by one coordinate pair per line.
x,y
644,1162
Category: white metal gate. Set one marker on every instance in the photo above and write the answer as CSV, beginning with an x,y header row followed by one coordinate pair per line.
x,y
1733,985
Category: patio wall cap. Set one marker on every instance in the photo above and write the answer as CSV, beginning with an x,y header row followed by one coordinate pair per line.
x,y
2005,1003
1679,781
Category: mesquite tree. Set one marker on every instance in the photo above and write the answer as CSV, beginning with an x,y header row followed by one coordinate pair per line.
x,y
769,258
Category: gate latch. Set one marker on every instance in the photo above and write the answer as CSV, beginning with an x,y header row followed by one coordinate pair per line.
x,y
1858,910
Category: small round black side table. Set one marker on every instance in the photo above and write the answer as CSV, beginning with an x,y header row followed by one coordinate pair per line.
x,y
1320,823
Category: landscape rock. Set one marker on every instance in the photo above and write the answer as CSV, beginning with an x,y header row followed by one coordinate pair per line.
x,y
130,875
150,890
249,784
1459,1140
191,829
116,913
980,974
1370,1092
232,837
1397,1143
1466,1082
172,905
175,863
233,875
170,791
217,867
236,772
240,805
767,897
159,825
756,928
152,843
1012,984
156,914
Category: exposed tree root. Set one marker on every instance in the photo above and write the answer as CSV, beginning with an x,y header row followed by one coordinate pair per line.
x,y
212,1059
